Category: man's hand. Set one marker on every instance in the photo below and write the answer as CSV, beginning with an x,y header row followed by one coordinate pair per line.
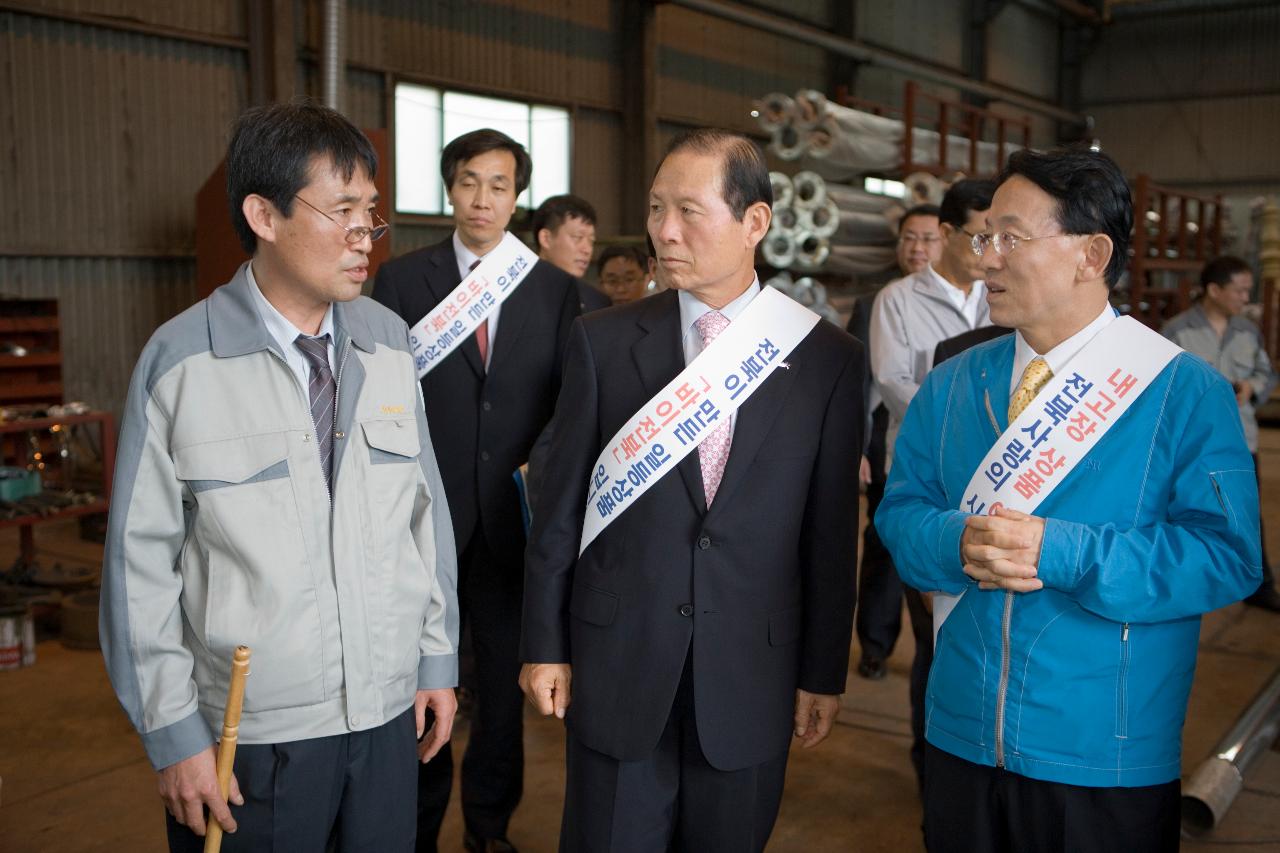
x,y
190,785
815,714
864,472
547,686
1002,551
443,702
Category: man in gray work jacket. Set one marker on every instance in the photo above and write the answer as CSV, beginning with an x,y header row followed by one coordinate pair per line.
x,y
1216,329
276,488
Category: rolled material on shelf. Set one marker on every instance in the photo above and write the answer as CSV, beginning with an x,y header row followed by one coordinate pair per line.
x,y
810,190
858,200
789,142
783,189
860,260
841,143
810,107
785,218
811,250
823,220
779,248
864,229
776,110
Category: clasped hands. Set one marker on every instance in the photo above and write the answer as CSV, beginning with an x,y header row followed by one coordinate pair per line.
x,y
1002,551
546,685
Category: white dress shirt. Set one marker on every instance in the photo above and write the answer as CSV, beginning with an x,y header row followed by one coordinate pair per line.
x,y
285,333
692,308
1059,355
466,258
966,303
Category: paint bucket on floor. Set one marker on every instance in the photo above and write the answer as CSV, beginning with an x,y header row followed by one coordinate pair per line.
x,y
11,618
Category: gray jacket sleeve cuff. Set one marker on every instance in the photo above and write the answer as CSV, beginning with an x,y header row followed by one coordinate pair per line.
x,y
177,741
437,671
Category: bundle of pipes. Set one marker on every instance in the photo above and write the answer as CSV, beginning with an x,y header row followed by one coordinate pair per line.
x,y
840,143
806,291
817,225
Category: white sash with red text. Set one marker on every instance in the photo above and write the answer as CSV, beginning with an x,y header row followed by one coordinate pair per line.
x,y
681,416
460,313
1069,416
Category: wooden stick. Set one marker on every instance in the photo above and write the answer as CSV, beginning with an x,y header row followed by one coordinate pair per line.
x,y
227,746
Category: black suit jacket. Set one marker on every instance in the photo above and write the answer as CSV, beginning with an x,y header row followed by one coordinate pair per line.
x,y
590,299
759,589
483,424
954,346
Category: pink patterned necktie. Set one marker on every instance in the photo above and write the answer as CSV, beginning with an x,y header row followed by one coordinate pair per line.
x,y
714,452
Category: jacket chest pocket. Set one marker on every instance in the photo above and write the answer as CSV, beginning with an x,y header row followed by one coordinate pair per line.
x,y
259,588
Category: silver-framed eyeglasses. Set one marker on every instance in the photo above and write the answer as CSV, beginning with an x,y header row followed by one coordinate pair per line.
x,y
354,233
1005,242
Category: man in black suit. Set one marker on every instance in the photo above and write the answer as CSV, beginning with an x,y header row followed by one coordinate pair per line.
x,y
486,404
564,232
711,620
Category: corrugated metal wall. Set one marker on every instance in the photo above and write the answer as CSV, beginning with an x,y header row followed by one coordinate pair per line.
x,y
115,111
1192,98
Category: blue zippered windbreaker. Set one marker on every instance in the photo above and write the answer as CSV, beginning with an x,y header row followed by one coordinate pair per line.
x,y
1085,681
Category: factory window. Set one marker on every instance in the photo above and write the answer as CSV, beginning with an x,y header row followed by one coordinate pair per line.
x,y
427,119
896,189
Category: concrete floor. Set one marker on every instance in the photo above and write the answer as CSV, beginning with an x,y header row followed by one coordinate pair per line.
x,y
75,778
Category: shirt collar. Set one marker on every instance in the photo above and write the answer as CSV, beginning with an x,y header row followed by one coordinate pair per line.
x,y
1058,357
957,296
284,332
692,308
466,257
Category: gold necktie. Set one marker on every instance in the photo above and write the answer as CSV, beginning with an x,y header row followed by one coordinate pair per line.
x,y
1033,379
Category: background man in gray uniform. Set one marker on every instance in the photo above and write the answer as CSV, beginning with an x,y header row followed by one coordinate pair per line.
x,y
1216,329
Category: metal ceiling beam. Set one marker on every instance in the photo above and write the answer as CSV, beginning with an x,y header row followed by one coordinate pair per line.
x,y
863,52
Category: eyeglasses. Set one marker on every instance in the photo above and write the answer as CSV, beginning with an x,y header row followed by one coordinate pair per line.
x,y
355,233
1005,242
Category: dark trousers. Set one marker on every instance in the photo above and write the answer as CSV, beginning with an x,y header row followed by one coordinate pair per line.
x,y
970,808
922,630
879,615
351,792
672,800
490,593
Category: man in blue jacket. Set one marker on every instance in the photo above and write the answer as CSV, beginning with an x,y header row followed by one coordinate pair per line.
x,y
1059,687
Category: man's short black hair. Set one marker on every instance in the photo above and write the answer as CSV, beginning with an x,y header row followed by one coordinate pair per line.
x,y
744,174
1091,193
965,197
471,145
1222,269
920,210
553,213
631,253
272,150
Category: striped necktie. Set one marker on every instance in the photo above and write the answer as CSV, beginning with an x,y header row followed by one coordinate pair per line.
x,y
321,390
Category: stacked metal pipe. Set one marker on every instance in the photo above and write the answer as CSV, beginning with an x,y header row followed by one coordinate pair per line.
x,y
840,143
822,226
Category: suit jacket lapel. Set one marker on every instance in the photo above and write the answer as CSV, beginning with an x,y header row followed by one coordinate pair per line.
x,y
515,312
659,357
751,426
442,277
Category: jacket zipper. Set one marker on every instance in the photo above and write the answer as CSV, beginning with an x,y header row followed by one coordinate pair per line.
x,y
1006,623
1006,629
1122,716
